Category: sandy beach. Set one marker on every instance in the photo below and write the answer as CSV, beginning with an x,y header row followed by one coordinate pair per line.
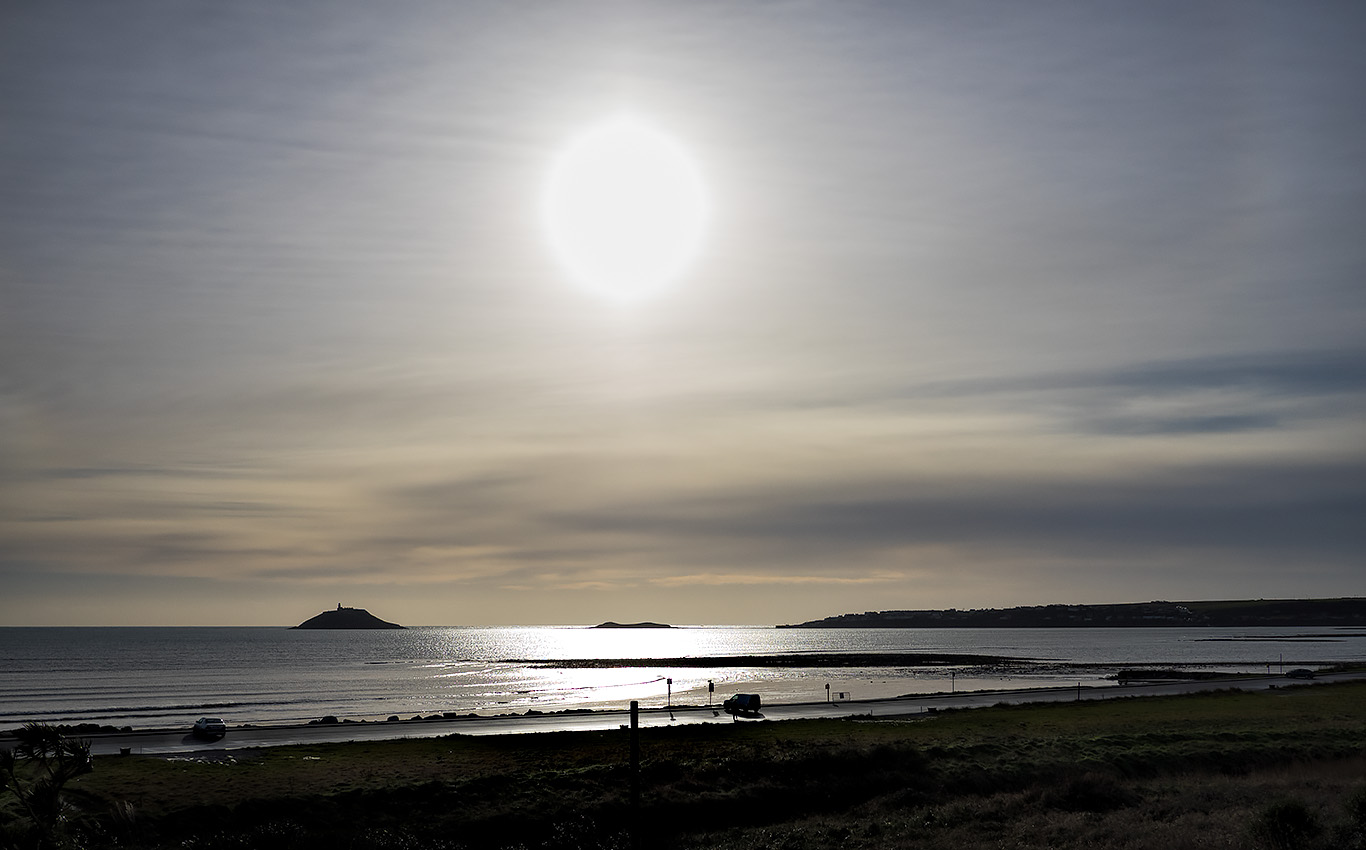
x,y
1171,771
181,741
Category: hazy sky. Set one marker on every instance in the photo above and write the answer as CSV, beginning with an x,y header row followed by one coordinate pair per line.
x,y
998,303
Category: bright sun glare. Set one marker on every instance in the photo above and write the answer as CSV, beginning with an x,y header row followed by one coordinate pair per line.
x,y
625,209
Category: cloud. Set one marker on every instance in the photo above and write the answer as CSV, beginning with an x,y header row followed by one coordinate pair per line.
x,y
1267,374
1251,509
990,298
1265,391
1295,373
726,579
1170,425
60,473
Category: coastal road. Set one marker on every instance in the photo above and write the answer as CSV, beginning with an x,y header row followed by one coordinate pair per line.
x,y
181,743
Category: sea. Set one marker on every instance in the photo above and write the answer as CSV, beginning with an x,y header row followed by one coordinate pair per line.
x,y
154,677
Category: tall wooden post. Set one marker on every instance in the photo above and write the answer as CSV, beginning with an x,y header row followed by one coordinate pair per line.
x,y
635,773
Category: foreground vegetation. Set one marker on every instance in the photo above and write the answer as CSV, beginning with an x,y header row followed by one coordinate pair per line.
x,y
1278,769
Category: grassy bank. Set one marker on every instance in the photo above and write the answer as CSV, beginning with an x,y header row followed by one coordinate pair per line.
x,y
1193,771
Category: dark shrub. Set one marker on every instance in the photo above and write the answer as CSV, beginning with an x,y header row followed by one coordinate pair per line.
x,y
1356,809
1090,792
1352,835
1287,825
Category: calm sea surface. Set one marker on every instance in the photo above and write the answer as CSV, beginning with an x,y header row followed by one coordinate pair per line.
x,y
155,677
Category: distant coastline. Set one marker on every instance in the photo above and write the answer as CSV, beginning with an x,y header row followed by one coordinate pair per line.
x,y
1348,611
611,625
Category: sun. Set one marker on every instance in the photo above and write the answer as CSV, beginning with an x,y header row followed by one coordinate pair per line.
x,y
624,209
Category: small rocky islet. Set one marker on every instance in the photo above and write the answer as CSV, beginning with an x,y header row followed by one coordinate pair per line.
x,y
346,618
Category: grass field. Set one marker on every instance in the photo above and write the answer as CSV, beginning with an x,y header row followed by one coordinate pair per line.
x,y
1283,768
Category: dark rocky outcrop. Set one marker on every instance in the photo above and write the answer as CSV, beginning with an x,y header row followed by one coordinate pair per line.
x,y
346,618
611,625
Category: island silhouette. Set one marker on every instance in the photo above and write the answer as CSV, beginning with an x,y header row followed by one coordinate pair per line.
x,y
346,618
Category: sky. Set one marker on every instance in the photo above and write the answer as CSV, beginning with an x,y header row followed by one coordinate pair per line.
x,y
994,304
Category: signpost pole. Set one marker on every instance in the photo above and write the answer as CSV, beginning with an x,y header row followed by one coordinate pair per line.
x,y
635,773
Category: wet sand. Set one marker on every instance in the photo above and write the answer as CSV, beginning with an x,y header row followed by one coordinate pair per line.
x,y
829,659
170,742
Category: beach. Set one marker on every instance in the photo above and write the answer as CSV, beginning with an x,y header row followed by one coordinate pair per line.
x,y
181,741
1166,771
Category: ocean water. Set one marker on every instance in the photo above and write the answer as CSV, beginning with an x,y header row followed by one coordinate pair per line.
x,y
165,677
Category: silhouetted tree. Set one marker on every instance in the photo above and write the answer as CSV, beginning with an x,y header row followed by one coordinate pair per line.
x,y
34,773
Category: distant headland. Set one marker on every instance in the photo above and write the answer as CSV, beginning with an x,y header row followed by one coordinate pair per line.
x,y
611,625
346,618
1245,612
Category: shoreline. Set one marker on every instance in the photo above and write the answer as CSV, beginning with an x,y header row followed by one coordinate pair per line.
x,y
786,659
1152,770
179,741
989,672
